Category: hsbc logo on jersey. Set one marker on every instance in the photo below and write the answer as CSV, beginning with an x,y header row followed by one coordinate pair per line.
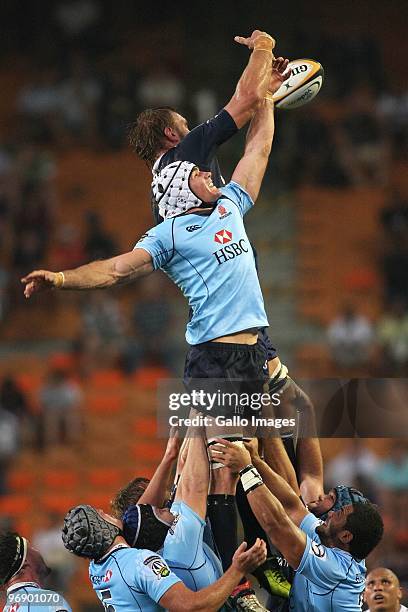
x,y
223,237
107,576
231,251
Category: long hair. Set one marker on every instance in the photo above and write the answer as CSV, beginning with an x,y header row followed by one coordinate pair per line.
x,y
146,134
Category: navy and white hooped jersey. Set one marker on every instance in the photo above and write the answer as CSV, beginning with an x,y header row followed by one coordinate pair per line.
x,y
191,559
129,579
30,597
209,257
327,579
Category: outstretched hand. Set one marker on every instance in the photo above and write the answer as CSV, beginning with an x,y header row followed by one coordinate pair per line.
x,y
250,41
246,561
39,280
279,74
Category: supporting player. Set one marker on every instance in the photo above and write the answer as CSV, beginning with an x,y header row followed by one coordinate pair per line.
x,y
127,578
383,592
22,574
328,557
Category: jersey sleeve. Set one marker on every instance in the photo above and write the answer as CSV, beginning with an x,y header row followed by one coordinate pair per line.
x,y
237,194
199,145
323,566
158,242
153,576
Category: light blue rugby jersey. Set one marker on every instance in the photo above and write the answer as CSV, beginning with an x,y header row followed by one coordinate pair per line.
x,y
130,579
30,597
327,579
210,258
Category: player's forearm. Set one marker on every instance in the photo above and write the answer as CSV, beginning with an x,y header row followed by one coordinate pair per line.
x,y
253,84
156,490
310,466
277,458
278,486
109,272
212,597
258,146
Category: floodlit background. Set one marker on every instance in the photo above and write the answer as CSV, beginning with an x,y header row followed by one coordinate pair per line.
x,y
78,372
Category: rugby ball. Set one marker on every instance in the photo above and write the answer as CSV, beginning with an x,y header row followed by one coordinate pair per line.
x,y
302,86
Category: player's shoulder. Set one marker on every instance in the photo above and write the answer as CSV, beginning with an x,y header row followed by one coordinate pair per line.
x,y
235,192
309,524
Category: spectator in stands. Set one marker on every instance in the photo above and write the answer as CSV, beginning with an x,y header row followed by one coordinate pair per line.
x,y
161,87
394,216
99,244
151,323
47,541
392,338
68,249
363,145
60,402
103,329
394,219
9,444
117,106
356,465
393,480
350,338
12,398
79,94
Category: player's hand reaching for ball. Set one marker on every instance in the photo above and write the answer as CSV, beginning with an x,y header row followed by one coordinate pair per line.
x,y
246,561
41,280
257,39
279,74
232,455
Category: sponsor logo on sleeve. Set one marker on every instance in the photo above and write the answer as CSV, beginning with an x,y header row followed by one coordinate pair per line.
x,y
318,550
158,566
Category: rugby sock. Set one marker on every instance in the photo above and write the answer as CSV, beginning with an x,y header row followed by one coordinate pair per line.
x,y
222,512
252,528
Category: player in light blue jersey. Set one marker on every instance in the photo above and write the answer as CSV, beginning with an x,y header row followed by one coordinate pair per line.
x,y
126,579
328,557
182,544
22,574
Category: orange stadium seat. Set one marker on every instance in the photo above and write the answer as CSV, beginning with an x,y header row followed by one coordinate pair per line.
x,y
106,379
105,404
97,500
14,505
19,480
59,503
145,426
105,477
60,479
148,452
147,377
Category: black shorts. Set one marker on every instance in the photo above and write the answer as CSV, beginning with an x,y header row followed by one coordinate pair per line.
x,y
239,369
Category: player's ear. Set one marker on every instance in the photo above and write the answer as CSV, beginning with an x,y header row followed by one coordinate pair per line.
x,y
345,536
171,135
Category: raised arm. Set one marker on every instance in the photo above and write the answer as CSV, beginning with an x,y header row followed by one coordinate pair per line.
x,y
96,275
253,84
158,488
276,520
251,168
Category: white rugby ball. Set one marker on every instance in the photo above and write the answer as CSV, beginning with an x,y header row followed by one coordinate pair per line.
x,y
302,86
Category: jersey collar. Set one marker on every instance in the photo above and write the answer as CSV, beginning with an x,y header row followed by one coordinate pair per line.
x,y
22,585
116,547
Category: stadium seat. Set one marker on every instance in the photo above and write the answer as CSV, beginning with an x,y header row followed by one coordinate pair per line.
x,y
106,379
105,477
104,403
14,505
60,479
148,452
145,426
20,480
59,503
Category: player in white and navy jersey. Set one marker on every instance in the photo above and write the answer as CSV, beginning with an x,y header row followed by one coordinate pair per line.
x,y
22,574
383,591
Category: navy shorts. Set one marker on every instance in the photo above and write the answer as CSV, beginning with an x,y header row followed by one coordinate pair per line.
x,y
229,368
264,338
